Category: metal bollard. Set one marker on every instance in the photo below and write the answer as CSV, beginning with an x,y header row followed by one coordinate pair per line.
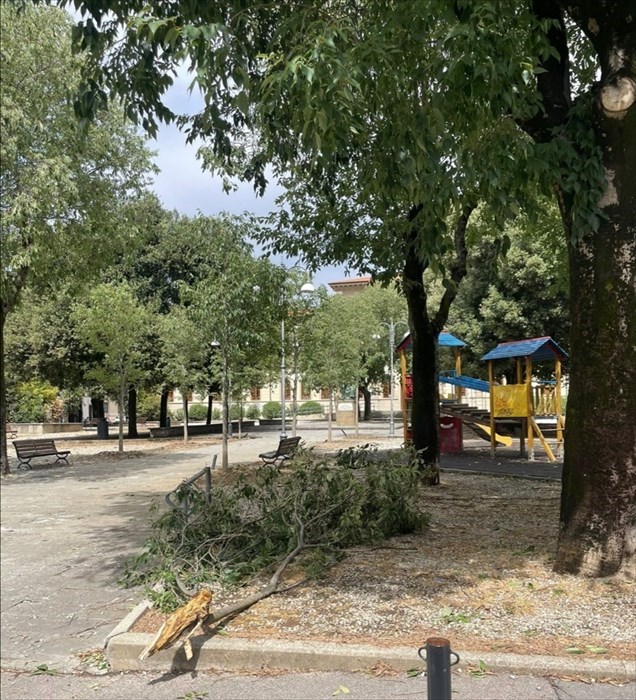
x,y
437,655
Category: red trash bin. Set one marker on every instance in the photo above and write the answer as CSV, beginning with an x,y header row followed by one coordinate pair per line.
x,y
450,435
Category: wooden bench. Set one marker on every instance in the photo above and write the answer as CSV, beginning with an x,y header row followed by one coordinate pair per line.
x,y
285,450
28,449
10,432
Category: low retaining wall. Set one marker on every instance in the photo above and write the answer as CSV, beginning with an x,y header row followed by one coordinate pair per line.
x,y
46,428
197,429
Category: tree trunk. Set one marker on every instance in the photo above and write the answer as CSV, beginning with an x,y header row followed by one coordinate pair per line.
x,y
424,336
163,408
11,294
132,413
184,403
121,405
425,406
597,533
6,469
598,502
226,411
366,395
97,406
208,417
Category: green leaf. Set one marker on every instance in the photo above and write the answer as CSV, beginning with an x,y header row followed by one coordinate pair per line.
x,y
597,650
574,650
242,102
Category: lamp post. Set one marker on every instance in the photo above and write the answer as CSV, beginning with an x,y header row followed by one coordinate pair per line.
x,y
307,288
392,325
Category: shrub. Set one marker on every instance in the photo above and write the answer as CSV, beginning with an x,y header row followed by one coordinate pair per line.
x,y
253,412
256,520
149,405
234,412
310,408
33,399
177,414
271,410
197,411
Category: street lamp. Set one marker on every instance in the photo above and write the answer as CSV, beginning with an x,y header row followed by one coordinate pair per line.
x,y
392,325
307,288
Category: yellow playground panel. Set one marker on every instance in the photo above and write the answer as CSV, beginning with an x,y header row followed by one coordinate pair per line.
x,y
510,400
516,400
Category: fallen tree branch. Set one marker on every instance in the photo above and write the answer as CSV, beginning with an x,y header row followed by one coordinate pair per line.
x,y
190,617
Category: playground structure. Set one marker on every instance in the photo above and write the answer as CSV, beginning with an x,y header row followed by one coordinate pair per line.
x,y
511,407
517,400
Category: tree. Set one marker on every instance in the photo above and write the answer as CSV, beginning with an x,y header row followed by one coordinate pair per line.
x,y
307,78
235,307
184,347
113,323
520,294
41,343
63,195
331,349
380,307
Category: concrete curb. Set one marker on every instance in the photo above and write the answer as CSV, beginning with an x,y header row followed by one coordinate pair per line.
x,y
123,649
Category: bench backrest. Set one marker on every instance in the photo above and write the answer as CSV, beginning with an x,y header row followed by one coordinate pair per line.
x,y
287,445
34,447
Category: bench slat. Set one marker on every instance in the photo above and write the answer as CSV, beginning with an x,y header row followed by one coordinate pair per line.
x,y
286,448
26,450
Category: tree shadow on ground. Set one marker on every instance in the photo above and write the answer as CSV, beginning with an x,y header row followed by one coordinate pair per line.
x,y
106,466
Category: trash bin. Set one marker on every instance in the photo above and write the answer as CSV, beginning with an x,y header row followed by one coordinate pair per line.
x,y
450,435
102,429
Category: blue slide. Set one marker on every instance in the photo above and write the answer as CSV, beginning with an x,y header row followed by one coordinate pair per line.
x,y
465,382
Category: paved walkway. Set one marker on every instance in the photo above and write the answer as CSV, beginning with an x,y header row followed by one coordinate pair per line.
x,y
67,531
297,686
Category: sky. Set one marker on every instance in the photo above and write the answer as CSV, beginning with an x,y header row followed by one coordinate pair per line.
x,y
182,185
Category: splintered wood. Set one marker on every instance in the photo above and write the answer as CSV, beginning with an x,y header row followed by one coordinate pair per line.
x,y
186,620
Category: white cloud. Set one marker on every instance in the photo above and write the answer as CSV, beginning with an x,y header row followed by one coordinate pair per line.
x,y
182,184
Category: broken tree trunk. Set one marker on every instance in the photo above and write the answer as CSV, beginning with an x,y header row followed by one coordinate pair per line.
x,y
187,620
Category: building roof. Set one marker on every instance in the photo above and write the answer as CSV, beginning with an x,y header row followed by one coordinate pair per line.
x,y
444,340
536,348
350,282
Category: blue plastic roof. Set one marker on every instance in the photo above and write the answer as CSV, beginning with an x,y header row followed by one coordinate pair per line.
x,y
445,340
537,348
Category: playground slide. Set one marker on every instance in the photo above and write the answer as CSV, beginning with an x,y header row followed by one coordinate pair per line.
x,y
465,382
501,439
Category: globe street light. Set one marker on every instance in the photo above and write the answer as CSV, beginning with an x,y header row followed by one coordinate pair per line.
x,y
307,288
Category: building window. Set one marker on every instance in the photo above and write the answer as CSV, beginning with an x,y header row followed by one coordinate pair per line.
x,y
305,392
324,393
170,396
288,391
386,390
255,393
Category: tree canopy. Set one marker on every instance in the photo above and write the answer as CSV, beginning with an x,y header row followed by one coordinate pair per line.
x,y
64,195
314,83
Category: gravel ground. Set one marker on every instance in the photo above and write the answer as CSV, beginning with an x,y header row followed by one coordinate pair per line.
x,y
480,575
